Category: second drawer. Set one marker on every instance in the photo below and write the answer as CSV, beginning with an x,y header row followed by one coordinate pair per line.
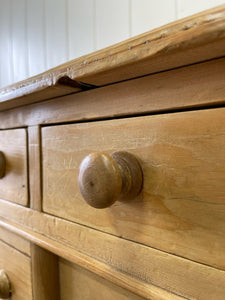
x,y
13,181
181,207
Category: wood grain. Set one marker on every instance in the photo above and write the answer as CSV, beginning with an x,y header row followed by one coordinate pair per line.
x,y
34,142
80,284
142,270
191,40
193,86
104,179
34,90
45,275
14,186
181,207
17,267
15,241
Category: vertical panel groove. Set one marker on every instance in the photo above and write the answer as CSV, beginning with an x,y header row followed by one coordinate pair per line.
x,y
26,38
11,44
176,9
44,34
67,29
130,16
94,25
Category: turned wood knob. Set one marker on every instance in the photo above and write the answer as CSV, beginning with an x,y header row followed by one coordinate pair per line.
x,y
5,286
105,178
2,165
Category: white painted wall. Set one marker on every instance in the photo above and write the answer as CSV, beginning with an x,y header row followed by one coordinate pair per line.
x,y
36,35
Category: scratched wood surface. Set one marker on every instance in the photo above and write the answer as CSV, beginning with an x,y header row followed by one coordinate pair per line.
x,y
15,241
190,40
80,284
14,185
145,271
45,275
18,268
181,208
199,85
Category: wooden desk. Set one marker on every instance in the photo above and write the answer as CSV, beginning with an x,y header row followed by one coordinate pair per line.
x,y
160,97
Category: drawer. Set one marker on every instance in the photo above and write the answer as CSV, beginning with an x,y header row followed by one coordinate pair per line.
x,y
80,284
13,185
17,266
181,208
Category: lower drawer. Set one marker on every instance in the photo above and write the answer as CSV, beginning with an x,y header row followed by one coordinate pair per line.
x,y
17,266
80,284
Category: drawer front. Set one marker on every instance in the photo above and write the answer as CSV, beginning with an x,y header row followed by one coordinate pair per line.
x,y
17,266
80,284
13,185
181,208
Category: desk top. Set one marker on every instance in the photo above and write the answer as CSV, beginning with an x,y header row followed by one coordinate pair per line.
x,y
188,41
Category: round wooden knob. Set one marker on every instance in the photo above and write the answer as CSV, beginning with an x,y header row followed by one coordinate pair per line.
x,y
2,165
105,178
5,286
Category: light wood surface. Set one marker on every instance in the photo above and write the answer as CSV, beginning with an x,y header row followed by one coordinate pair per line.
x,y
15,241
17,267
194,39
80,284
145,271
192,86
36,89
169,242
183,163
14,186
45,276
35,177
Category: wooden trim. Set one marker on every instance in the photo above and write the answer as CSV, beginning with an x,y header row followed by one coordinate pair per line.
x,y
45,274
139,287
200,85
15,241
187,41
34,90
138,268
35,179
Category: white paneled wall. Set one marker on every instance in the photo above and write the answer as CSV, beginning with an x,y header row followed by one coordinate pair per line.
x,y
189,7
112,22
37,61
81,27
38,35
149,14
6,72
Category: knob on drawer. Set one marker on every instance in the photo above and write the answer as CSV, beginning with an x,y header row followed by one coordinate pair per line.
x,y
105,178
5,286
2,165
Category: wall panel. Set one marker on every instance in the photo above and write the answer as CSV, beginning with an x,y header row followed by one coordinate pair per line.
x,y
36,37
5,44
81,27
149,14
186,8
56,32
19,40
112,22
